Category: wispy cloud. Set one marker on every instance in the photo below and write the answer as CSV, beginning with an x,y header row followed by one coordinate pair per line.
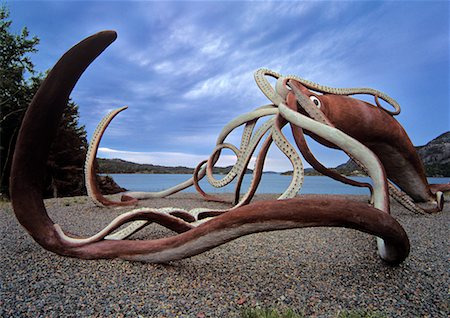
x,y
185,68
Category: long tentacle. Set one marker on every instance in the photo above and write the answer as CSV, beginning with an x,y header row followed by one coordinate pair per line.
x,y
39,128
206,196
130,197
297,165
260,78
310,158
90,175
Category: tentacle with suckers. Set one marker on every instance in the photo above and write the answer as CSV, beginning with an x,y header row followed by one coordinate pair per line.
x,y
260,77
384,136
278,95
90,174
39,128
129,198
286,84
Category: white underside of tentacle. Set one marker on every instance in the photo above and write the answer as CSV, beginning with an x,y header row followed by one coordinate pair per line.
x,y
122,219
92,153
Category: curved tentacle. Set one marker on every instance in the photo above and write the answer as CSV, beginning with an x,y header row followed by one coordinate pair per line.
x,y
257,174
404,199
130,198
245,142
285,147
89,167
206,196
242,159
39,128
300,140
160,216
270,216
266,87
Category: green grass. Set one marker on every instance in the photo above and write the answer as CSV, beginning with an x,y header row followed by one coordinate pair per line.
x,y
269,313
290,313
360,314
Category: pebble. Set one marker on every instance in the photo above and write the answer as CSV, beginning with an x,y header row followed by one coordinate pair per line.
x,y
316,271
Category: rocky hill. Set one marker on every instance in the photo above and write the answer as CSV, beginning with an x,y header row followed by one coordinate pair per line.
x,y
436,155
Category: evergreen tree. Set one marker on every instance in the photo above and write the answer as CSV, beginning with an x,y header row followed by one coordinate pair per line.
x,y
15,90
65,164
65,173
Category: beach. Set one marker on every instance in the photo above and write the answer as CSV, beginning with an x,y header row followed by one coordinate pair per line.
x,y
316,271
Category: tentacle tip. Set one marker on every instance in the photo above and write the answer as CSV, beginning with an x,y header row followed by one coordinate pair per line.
x,y
391,254
439,204
440,200
110,33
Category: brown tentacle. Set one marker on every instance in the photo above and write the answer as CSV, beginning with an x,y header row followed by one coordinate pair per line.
x,y
253,218
257,171
206,196
38,130
436,187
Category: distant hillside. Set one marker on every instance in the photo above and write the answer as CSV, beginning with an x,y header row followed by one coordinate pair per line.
x,y
308,172
435,156
111,166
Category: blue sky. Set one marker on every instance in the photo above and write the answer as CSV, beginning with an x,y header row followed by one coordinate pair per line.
x,y
186,68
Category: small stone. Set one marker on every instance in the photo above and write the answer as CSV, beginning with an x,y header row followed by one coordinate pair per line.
x,y
241,301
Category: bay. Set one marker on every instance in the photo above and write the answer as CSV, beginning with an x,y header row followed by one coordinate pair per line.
x,y
270,183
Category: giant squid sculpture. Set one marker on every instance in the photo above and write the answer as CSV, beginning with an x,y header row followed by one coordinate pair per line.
x,y
368,134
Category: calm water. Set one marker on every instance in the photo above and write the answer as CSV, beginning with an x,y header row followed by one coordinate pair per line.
x,y
270,183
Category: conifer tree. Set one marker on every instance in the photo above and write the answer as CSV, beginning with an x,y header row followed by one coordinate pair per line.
x,y
18,84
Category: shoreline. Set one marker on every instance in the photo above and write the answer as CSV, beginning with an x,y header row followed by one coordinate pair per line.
x,y
319,271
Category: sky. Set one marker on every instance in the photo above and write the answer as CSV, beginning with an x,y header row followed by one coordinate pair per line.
x,y
185,69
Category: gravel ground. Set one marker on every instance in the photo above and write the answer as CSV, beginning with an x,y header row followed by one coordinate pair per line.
x,y
318,271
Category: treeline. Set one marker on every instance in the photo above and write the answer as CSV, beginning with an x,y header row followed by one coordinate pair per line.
x,y
111,166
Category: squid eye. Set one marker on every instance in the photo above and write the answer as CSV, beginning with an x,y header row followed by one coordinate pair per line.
x,y
315,100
